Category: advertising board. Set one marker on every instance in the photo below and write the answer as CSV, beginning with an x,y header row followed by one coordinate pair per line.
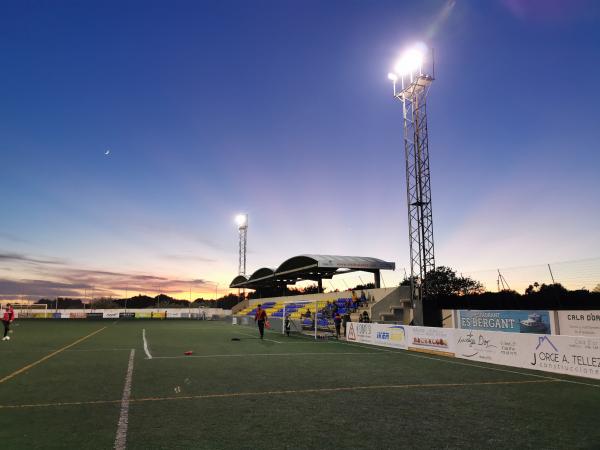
x,y
110,314
360,332
94,315
384,335
579,323
537,322
431,340
568,355
489,346
127,315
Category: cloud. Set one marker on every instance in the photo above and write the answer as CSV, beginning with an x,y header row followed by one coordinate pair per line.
x,y
187,258
78,283
52,277
546,10
39,288
20,257
13,238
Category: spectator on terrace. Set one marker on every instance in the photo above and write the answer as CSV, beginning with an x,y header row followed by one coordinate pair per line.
x,y
363,298
360,318
345,319
354,297
308,314
365,317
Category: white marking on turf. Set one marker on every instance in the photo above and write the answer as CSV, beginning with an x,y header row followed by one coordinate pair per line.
x,y
121,437
282,392
148,354
33,364
264,339
245,355
98,350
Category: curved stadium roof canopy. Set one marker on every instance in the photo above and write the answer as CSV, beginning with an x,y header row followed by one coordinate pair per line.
x,y
311,267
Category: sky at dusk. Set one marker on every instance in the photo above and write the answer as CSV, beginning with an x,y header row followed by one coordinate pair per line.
x,y
282,109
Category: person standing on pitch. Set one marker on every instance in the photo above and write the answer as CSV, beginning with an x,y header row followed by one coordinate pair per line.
x,y
260,318
9,316
288,324
337,321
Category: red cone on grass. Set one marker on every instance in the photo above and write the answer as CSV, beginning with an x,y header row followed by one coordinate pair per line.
x,y
189,352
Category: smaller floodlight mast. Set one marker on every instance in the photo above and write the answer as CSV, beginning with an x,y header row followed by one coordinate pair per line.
x,y
412,92
242,223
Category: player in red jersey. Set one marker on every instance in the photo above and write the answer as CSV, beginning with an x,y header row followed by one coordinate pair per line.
x,y
7,319
260,318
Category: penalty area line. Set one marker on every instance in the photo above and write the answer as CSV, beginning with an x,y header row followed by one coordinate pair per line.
x,y
121,437
148,354
48,356
245,355
264,339
288,392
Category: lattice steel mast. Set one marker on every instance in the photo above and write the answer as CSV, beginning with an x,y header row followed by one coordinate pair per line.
x,y
242,222
413,95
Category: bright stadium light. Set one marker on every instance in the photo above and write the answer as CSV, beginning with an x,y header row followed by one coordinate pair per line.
x,y
392,76
411,60
241,220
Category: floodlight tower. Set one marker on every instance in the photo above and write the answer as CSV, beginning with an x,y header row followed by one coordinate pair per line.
x,y
242,223
412,92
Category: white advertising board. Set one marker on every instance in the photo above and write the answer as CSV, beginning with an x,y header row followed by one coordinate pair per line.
x,y
431,340
579,323
173,314
110,315
568,355
360,332
489,346
384,335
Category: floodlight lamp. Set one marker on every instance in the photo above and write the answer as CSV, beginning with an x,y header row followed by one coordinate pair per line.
x,y
412,60
392,76
241,220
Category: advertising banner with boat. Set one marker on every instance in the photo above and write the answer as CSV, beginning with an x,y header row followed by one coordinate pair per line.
x,y
513,321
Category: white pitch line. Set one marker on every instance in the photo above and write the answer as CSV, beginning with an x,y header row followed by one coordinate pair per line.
x,y
121,437
148,354
244,355
264,339
495,369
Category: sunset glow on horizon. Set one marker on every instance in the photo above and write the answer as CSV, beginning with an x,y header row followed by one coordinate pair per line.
x,y
128,151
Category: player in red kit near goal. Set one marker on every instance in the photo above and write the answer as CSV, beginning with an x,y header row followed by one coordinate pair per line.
x,y
260,318
7,319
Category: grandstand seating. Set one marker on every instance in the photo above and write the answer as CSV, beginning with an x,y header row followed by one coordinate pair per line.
x,y
298,310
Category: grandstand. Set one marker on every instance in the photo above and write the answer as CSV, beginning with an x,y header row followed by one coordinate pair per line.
x,y
312,313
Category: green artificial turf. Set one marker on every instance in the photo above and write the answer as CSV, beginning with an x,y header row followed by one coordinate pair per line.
x,y
277,393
